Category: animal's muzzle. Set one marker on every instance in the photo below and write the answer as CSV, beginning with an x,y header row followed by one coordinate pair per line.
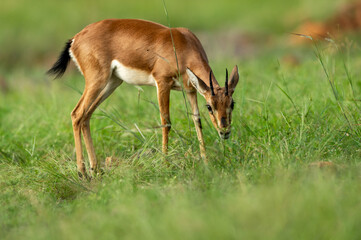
x,y
224,135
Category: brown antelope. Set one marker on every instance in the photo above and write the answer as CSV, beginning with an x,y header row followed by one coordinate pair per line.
x,y
140,52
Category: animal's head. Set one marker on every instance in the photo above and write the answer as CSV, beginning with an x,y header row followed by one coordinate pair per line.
x,y
219,100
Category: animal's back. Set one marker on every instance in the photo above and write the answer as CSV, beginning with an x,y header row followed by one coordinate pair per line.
x,y
136,43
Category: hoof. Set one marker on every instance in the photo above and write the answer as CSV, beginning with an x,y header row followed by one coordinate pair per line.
x,y
83,176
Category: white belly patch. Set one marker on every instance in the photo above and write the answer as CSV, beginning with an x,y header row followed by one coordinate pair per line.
x,y
131,75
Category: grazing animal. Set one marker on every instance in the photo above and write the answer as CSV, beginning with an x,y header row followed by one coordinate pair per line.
x,y
140,52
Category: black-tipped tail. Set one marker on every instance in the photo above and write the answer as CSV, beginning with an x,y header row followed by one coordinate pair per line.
x,y
61,64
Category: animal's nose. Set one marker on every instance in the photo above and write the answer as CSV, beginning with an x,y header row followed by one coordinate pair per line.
x,y
224,135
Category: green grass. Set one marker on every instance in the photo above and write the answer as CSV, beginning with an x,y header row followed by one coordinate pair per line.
x,y
258,185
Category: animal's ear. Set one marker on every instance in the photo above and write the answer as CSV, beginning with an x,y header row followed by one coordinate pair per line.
x,y
197,83
233,80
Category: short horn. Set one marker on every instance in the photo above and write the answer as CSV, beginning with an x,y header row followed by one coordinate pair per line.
x,y
226,82
210,83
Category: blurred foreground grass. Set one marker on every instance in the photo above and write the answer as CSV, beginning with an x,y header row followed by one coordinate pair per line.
x,y
259,184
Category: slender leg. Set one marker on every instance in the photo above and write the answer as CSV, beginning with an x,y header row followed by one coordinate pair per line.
x,y
192,97
109,89
93,87
76,116
163,92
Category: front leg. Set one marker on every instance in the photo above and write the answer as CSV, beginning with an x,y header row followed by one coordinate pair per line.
x,y
163,92
192,97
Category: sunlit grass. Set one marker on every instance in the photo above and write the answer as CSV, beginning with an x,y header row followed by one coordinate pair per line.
x,y
259,184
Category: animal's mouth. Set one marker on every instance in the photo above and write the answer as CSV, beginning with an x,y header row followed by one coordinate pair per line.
x,y
224,135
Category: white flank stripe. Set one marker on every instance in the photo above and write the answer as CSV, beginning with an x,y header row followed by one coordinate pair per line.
x,y
131,75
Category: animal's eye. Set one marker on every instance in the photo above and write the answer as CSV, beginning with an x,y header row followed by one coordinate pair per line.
x,y
232,105
209,108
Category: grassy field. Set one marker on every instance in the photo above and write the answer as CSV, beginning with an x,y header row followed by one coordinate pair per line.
x,y
260,184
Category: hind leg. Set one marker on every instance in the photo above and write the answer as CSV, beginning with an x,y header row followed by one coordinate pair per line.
x,y
112,84
98,86
78,117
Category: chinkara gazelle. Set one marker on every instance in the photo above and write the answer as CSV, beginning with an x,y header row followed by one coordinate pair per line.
x,y
140,52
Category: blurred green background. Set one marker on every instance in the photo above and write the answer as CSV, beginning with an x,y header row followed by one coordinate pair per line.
x,y
32,31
